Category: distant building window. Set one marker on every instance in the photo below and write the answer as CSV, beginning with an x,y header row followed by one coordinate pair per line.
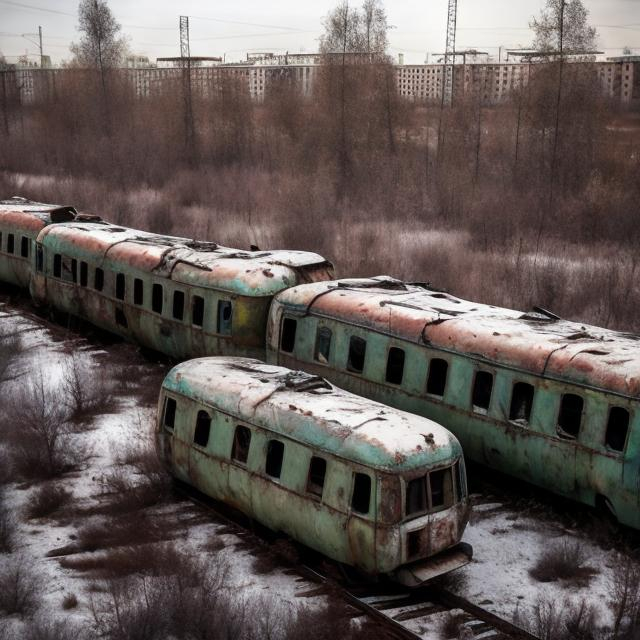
x,y
361,493
482,387
197,311
203,427
120,286
241,443
138,291
98,279
169,413
275,455
617,428
570,416
323,345
24,247
288,336
437,379
357,354
57,266
521,402
156,298
225,317
315,480
395,365
178,305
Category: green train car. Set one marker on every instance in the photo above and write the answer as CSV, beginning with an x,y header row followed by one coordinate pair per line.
x,y
181,297
20,222
366,485
539,398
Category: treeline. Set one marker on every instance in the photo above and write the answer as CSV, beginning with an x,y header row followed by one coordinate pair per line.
x,y
554,164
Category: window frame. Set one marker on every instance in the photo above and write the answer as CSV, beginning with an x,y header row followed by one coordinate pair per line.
x,y
617,452
446,377
309,484
284,333
322,330
483,411
395,349
560,431
167,399
513,421
233,456
349,366
268,452
198,426
355,476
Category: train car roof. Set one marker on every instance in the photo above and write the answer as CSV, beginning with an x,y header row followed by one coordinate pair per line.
x,y
537,342
204,264
32,216
308,409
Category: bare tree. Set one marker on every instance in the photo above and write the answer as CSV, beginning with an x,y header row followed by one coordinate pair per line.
x,y
562,26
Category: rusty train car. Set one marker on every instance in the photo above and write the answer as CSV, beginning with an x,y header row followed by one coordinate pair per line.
x,y
364,484
549,401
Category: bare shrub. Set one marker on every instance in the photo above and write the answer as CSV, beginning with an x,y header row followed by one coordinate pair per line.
x,y
563,561
10,348
7,527
121,532
47,500
625,601
70,601
451,624
46,628
553,620
19,587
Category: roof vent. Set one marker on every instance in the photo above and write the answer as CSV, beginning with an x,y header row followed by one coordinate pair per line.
x,y
62,214
301,381
379,282
538,314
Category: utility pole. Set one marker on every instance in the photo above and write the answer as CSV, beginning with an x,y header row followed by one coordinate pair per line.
x,y
40,41
449,53
185,55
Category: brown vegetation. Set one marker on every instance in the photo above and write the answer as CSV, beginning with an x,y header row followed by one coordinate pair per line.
x,y
565,561
47,499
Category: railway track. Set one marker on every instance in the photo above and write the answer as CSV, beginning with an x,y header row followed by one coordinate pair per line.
x,y
404,613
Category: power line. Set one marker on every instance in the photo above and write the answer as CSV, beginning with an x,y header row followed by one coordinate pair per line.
x,y
34,8
250,24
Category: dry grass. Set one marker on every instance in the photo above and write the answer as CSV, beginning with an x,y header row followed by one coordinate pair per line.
x,y
7,527
563,561
47,499
20,587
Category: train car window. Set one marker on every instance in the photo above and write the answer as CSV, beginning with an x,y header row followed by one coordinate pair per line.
x,y
138,291
57,265
357,353
482,388
323,345
203,428
361,493
461,480
178,305
275,454
288,335
521,402
98,279
121,319
74,270
225,317
437,380
24,247
416,498
197,311
440,489
395,365
241,442
0,240
169,419
570,416
315,480
617,428
10,243
120,286
39,257
156,298
84,274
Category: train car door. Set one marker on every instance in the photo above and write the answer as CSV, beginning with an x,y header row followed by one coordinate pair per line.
x,y
361,529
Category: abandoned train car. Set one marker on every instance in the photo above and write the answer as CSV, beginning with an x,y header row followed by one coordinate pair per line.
x,y
181,297
364,484
20,222
549,401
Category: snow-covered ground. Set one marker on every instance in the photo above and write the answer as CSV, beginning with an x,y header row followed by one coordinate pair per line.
x,y
506,541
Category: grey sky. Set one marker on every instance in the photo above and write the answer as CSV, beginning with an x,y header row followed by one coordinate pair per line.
x,y
233,27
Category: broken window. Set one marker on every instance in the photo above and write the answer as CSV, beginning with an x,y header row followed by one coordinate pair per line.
x,y
10,243
395,365
39,256
288,335
169,413
437,380
357,353
617,428
84,274
138,291
275,454
156,298
441,489
225,317
74,270
57,265
197,311
521,402
241,442
413,543
0,240
24,247
317,471
178,305
98,279
482,387
120,282
121,319
203,427
461,479
323,345
361,493
570,415
416,499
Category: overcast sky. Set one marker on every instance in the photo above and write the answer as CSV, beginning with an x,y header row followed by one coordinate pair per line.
x,y
234,27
